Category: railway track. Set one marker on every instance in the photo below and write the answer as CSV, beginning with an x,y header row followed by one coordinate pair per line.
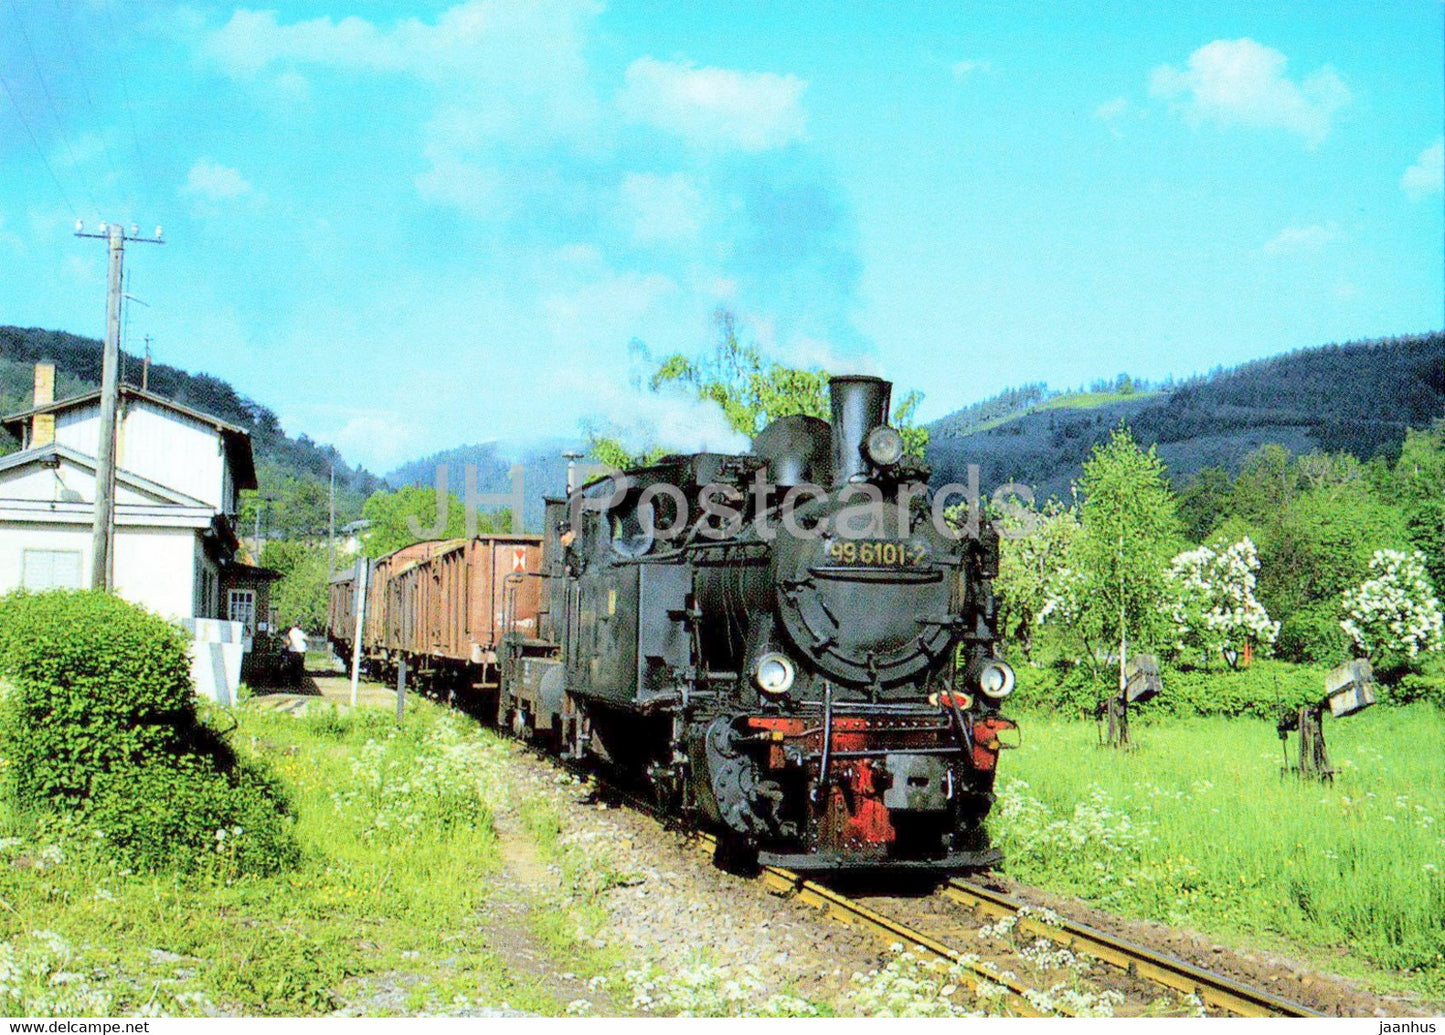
x,y
1214,990
971,971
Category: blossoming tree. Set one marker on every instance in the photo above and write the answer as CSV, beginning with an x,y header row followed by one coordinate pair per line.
x,y
1394,615
1215,610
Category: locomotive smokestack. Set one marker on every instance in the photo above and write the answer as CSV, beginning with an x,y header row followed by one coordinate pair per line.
x,y
860,404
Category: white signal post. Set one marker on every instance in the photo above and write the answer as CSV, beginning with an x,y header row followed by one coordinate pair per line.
x,y
363,569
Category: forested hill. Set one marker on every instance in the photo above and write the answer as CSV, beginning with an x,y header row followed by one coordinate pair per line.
x,y
294,471
1357,397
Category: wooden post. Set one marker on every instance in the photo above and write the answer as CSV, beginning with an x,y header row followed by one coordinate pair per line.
x,y
401,690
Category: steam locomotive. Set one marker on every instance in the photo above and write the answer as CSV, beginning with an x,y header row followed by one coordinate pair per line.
x,y
789,646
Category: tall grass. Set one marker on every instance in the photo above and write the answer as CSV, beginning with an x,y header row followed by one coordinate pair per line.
x,y
396,828
1198,827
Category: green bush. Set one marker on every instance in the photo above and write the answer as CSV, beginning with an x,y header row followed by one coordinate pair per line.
x,y
192,815
100,725
1428,684
1313,634
99,685
1259,691
1068,689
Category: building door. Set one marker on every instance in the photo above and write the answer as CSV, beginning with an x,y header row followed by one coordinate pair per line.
x,y
241,607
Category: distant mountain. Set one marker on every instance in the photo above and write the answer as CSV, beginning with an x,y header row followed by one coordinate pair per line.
x,y
1358,398
284,464
544,471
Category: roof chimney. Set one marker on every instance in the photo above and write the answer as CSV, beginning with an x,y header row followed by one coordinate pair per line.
x,y
42,425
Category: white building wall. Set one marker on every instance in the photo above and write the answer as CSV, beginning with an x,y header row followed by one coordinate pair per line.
x,y
154,567
159,445
16,539
50,484
79,428
175,451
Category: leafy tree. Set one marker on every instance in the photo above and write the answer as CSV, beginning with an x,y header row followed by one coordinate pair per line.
x,y
1418,484
390,530
299,597
1205,500
751,391
1036,573
1129,533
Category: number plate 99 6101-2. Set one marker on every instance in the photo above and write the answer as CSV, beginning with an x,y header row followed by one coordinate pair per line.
x,y
873,553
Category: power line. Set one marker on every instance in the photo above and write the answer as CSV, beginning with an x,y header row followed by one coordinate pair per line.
x,y
80,75
45,89
38,149
129,109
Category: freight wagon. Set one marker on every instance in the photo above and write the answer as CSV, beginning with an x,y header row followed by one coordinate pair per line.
x,y
442,607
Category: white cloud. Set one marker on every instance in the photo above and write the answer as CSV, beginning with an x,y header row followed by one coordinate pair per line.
x,y
1302,240
963,69
1241,82
715,107
464,185
506,69
212,181
1111,112
607,309
661,209
1427,175
382,437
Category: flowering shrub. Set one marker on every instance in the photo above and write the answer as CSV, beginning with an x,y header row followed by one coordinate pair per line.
x,y
1098,843
1394,615
396,793
910,987
1215,610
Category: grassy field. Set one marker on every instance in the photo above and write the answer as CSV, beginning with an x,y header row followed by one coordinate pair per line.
x,y
399,844
1196,827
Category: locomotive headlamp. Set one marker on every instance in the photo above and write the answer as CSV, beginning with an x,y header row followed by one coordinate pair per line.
x,y
996,679
884,446
775,673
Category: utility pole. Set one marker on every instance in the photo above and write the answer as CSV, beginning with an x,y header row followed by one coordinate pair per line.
x,y
103,527
331,524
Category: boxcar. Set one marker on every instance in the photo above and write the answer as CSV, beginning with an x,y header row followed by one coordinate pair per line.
x,y
443,607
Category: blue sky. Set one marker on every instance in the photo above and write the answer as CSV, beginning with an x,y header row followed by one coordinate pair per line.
x,y
405,226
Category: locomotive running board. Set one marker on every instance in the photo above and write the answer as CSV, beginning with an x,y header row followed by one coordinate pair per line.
x,y
814,862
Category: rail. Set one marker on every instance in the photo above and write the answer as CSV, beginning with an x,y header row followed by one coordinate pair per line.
x,y
972,972
1214,990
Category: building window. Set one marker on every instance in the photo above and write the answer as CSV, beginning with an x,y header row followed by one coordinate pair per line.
x,y
241,607
50,569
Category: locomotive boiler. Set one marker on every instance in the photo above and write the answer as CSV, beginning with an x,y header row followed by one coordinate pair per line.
x,y
788,646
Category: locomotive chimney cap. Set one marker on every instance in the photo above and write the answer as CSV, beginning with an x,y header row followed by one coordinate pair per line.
x,y
859,404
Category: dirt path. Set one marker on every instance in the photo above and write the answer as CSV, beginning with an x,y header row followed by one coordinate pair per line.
x,y
523,887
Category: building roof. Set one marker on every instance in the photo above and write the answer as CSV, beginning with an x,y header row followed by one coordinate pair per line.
x,y
237,440
54,452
